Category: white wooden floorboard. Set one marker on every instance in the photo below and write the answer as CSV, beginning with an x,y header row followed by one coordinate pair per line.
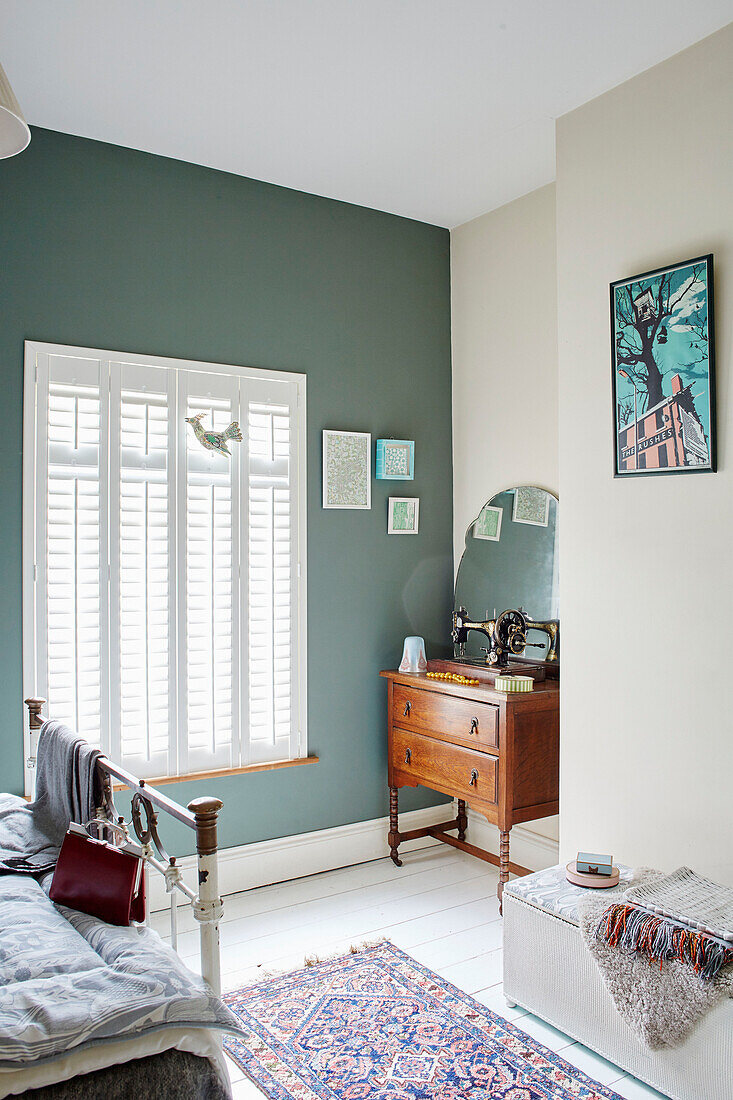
x,y
592,1064
543,1032
316,934
440,907
631,1089
493,998
475,973
379,900
344,880
460,947
245,1090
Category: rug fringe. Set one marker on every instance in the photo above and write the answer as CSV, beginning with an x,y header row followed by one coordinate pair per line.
x,y
354,949
265,973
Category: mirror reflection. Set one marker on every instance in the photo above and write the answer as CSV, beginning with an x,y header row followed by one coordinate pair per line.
x,y
511,561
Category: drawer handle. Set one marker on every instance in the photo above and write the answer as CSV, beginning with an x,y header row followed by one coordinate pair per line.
x,y
474,777
474,725
408,708
408,755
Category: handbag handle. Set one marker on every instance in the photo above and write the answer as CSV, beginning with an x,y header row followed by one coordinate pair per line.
x,y
107,825
130,846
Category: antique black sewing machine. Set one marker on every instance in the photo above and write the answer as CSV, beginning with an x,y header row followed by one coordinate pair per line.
x,y
507,636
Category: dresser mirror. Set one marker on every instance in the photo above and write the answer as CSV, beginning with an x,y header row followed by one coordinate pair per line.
x,y
510,562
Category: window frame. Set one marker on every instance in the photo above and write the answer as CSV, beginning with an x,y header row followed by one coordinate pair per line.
x,y
33,487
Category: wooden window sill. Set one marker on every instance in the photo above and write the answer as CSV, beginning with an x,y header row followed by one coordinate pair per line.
x,y
270,766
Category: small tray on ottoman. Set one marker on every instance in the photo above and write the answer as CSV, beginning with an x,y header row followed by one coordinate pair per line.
x,y
594,882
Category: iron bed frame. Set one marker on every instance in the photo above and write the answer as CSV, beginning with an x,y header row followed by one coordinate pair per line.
x,y
200,815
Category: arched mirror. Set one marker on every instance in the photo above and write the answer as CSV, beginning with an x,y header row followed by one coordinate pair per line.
x,y
510,562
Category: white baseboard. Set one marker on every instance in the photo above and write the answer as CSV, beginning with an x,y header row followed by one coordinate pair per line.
x,y
527,848
289,857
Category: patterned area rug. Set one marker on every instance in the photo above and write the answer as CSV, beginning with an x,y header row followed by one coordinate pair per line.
x,y
378,1025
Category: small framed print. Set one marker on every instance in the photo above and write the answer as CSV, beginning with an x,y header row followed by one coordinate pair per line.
x,y
531,505
347,469
404,513
488,524
395,460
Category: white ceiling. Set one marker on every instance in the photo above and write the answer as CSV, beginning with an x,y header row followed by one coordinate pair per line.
x,y
434,109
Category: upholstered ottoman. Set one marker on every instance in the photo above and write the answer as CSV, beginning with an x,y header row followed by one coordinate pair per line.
x,y
548,970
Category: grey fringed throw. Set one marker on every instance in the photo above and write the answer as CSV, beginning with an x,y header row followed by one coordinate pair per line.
x,y
31,833
661,1002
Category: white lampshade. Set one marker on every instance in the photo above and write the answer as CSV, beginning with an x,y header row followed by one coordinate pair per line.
x,y
14,132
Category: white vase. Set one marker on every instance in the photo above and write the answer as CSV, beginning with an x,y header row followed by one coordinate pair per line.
x,y
413,655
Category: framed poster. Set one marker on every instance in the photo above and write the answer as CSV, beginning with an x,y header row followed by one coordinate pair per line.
x,y
347,469
663,370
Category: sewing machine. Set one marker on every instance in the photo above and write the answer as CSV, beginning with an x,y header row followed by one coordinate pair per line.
x,y
507,636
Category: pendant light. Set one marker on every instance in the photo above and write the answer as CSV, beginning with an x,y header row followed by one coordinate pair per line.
x,y
14,132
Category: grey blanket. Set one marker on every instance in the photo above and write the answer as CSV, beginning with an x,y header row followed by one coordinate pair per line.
x,y
68,980
660,1003
66,790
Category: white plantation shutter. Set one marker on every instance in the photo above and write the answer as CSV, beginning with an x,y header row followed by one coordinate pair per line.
x,y
142,569
71,604
165,616
212,598
272,565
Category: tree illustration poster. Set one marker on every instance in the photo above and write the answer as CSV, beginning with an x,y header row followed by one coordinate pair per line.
x,y
663,370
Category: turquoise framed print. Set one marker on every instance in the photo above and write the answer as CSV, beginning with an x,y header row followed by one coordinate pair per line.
x,y
395,460
663,371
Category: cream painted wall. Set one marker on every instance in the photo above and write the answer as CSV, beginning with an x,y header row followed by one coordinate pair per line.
x,y
645,177
504,333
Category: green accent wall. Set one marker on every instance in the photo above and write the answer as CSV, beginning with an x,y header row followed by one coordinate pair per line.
x,y
106,247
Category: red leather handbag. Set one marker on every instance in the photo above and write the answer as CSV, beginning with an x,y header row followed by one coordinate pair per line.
x,y
99,878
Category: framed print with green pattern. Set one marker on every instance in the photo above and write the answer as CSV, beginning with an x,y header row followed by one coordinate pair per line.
x,y
488,524
404,513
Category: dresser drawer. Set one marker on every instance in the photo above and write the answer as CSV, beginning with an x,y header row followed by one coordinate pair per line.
x,y
443,767
460,721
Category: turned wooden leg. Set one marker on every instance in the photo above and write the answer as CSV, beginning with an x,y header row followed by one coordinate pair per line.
x,y
394,834
462,819
503,864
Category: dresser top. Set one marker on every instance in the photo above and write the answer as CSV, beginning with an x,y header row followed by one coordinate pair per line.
x,y
481,693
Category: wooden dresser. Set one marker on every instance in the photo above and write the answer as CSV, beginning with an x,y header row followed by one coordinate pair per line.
x,y
497,753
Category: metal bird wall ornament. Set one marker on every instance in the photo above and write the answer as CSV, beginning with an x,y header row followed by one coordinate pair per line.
x,y
215,441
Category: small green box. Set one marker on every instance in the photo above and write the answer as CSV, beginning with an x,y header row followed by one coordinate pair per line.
x,y
591,864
